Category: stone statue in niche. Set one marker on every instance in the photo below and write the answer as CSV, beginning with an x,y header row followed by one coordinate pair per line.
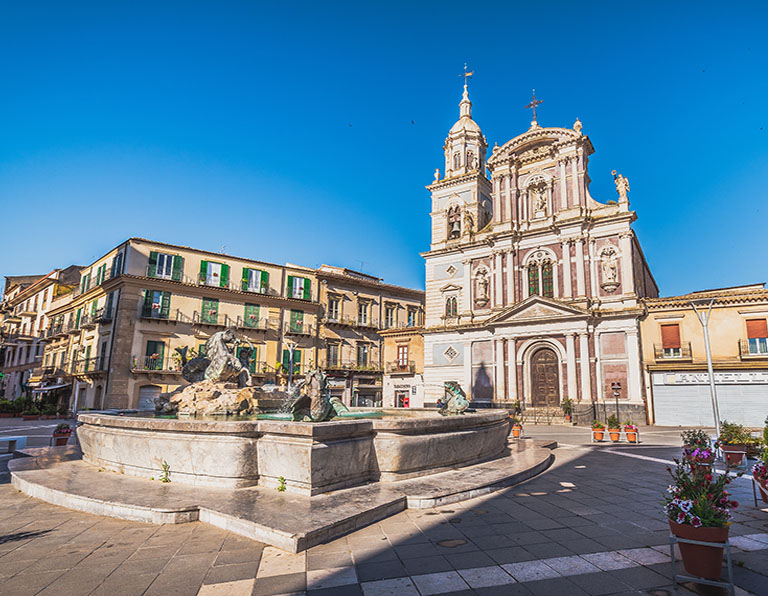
x,y
471,160
469,223
539,200
610,270
481,288
622,186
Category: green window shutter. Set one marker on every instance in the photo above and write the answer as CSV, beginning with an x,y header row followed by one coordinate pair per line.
x,y
306,289
165,305
245,278
178,264
264,285
201,350
83,284
109,304
87,357
147,300
296,361
77,318
286,359
203,271
94,307
152,267
224,276
251,316
290,285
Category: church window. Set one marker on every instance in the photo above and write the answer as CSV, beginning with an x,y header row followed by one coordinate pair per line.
x,y
456,160
470,159
533,279
451,307
547,285
454,223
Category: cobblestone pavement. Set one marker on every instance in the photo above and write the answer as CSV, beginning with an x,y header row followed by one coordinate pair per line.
x,y
592,524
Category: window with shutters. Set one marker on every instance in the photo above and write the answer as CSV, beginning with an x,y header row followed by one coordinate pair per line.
x,y
402,357
210,312
255,280
251,316
334,308
390,316
362,313
155,352
157,305
297,321
214,274
363,353
670,340
757,336
332,358
413,316
294,367
85,283
298,287
165,266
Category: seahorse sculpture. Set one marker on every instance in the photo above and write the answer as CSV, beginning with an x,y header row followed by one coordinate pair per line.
x,y
220,362
312,401
455,400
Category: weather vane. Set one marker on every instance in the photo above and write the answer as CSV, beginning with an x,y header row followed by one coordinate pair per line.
x,y
533,104
466,74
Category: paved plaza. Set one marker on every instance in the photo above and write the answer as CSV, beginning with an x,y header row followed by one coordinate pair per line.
x,y
591,524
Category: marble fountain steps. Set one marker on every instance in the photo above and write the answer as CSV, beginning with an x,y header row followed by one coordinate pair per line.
x,y
288,521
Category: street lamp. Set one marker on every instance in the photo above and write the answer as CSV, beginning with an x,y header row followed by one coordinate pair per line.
x,y
703,316
291,348
616,386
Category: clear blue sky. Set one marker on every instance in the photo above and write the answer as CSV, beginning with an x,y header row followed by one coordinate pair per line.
x,y
306,132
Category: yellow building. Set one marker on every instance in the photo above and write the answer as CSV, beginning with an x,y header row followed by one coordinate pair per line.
x,y
404,367
356,310
675,362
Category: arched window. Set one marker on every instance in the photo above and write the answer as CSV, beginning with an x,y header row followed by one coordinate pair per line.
x,y
454,222
533,279
541,276
451,307
547,283
456,160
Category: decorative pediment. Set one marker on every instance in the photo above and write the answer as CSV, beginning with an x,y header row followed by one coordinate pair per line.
x,y
537,308
450,288
537,142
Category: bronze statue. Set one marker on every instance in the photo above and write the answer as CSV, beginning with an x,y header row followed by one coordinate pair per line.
x,y
455,401
312,401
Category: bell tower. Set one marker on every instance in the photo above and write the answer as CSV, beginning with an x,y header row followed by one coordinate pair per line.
x,y
461,203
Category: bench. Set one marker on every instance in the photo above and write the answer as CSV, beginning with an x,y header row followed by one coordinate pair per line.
x,y
14,443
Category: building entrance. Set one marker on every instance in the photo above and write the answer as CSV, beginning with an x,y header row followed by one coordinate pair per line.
x,y
545,378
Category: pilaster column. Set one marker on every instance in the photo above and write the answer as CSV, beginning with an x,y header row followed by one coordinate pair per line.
x,y
625,245
511,370
510,196
498,384
586,391
550,199
566,285
570,365
580,292
563,188
468,369
514,194
634,390
511,277
575,181
593,268
498,282
497,200
466,295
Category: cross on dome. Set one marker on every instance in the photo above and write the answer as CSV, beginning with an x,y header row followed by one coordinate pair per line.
x,y
534,102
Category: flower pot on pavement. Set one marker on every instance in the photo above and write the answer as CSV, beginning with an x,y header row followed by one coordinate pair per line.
x,y
615,434
598,435
734,454
60,439
30,417
517,430
699,560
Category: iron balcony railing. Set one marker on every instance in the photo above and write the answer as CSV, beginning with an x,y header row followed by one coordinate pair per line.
x,y
156,363
400,367
256,324
352,365
211,317
72,326
367,322
297,328
681,353
86,366
753,348
340,320
94,282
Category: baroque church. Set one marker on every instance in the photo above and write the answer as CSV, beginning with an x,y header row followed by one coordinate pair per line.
x,y
532,286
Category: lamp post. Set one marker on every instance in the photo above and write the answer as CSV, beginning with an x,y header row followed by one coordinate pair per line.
x,y
616,386
291,348
703,316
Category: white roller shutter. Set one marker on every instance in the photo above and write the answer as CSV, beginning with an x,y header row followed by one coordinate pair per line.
x,y
147,397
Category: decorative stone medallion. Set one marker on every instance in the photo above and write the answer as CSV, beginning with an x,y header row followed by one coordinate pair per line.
x,y
451,270
450,354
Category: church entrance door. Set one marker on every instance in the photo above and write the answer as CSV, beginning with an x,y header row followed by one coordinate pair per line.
x,y
545,380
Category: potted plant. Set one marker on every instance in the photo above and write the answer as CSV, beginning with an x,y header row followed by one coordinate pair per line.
x,y
6,409
598,430
733,441
567,407
61,434
760,473
30,413
517,427
614,428
698,507
630,430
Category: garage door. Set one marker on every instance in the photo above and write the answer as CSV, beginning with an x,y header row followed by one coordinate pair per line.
x,y
147,395
691,405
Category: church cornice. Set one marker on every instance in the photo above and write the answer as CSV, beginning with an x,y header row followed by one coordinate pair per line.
x,y
474,176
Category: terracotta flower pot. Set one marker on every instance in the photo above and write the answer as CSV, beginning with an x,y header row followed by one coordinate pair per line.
x,y
615,434
764,485
60,439
699,560
631,436
517,431
30,417
598,435
734,454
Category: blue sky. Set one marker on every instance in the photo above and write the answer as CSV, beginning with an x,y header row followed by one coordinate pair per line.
x,y
306,132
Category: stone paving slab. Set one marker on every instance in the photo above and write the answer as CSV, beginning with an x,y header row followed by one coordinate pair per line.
x,y
289,521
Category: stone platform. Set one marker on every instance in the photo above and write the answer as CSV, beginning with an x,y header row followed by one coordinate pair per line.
x,y
288,521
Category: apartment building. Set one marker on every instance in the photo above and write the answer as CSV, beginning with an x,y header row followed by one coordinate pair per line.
x,y
355,309
675,359
403,367
27,300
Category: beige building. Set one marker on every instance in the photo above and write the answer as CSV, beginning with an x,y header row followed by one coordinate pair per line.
x,y
120,337
675,362
403,367
27,299
357,309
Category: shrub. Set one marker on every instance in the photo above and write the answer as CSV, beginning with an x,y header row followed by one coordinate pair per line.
x,y
698,497
696,439
613,421
597,425
733,434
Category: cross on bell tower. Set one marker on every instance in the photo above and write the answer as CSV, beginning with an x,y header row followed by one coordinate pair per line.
x,y
534,102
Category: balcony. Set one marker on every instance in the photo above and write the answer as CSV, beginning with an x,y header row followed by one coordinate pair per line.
x,y
94,282
753,349
341,320
55,330
72,327
152,364
367,323
253,324
212,318
352,366
683,353
88,366
399,368
297,328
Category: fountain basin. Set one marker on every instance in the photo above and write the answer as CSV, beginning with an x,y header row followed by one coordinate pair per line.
x,y
312,458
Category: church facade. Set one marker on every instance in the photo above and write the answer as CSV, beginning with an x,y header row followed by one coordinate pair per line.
x,y
533,287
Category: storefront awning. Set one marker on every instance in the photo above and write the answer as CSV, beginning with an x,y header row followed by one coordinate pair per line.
x,y
49,388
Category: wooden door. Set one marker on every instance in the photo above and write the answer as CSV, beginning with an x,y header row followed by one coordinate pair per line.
x,y
545,380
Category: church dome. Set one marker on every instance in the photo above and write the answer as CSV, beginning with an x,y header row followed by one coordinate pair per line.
x,y
465,124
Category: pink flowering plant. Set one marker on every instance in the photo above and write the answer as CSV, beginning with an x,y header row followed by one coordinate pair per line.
x,y
698,497
760,472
